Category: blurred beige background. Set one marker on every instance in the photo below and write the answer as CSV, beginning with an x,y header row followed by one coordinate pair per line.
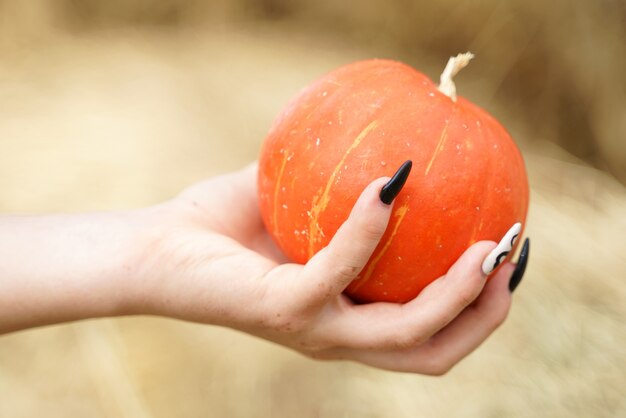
x,y
120,104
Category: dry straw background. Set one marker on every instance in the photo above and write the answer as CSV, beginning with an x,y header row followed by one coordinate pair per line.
x,y
120,104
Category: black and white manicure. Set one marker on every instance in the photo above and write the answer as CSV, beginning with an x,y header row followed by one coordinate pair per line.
x,y
503,249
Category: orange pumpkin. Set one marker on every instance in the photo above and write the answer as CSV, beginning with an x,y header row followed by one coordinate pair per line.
x,y
361,122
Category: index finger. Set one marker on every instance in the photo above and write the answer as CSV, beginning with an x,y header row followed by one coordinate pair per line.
x,y
332,269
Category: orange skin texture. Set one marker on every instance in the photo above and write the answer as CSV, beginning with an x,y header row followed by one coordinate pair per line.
x,y
361,122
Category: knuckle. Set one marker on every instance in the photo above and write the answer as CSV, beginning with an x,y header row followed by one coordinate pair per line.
x,y
323,290
404,340
498,318
439,370
286,322
436,366
290,313
347,271
372,230
291,326
325,353
314,348
466,295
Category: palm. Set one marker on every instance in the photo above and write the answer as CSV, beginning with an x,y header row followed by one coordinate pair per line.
x,y
227,206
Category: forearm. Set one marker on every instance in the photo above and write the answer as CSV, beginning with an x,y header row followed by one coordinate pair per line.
x,y
66,267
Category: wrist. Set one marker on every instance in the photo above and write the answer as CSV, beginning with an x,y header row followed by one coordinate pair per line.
x,y
140,269
152,262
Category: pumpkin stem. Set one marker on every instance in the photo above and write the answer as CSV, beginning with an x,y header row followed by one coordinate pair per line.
x,y
455,64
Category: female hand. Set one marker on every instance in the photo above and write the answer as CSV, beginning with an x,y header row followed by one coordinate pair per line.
x,y
209,259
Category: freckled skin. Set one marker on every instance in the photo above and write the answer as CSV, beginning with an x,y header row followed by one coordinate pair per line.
x,y
362,121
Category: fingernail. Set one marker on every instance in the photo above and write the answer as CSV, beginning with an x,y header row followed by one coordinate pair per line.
x,y
503,249
393,186
518,273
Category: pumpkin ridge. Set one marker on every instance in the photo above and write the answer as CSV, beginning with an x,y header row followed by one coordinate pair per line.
x,y
277,190
442,139
320,202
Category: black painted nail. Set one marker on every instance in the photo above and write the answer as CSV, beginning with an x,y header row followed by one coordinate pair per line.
x,y
393,186
516,278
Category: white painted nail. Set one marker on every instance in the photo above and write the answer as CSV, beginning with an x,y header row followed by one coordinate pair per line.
x,y
503,249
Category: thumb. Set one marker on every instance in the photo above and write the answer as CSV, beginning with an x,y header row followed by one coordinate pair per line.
x,y
332,269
